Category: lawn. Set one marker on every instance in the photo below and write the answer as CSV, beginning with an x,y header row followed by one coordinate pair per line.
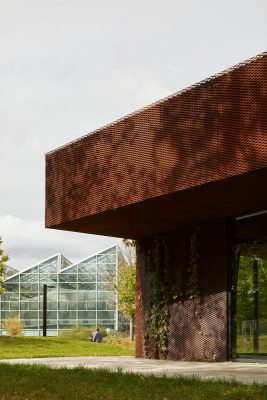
x,y
40,382
34,347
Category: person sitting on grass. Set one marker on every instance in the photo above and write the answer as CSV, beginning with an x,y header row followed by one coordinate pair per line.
x,y
97,337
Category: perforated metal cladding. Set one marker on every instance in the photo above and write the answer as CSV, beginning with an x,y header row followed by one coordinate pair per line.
x,y
214,130
196,331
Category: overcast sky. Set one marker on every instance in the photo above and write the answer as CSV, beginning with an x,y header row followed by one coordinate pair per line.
x,y
68,67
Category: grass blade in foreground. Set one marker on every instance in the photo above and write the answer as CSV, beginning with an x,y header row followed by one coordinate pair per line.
x,y
39,382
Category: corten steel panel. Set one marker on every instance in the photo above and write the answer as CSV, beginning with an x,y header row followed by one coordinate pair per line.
x,y
148,163
190,337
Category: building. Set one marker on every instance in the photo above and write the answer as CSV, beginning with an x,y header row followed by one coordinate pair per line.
x,y
79,294
185,177
10,271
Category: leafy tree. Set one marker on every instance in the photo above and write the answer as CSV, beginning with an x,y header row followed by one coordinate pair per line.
x,y
3,259
125,284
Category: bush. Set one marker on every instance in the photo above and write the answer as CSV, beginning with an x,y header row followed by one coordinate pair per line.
x,y
117,337
79,333
13,326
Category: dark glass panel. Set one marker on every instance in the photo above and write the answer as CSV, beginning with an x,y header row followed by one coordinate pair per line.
x,y
68,296
86,286
62,305
87,322
52,305
67,323
105,295
64,262
29,278
49,266
86,314
24,305
33,305
104,277
103,286
107,323
33,270
15,279
48,278
29,295
11,287
29,314
87,266
30,323
111,305
67,286
5,305
91,305
82,305
49,314
67,314
28,287
67,277
106,268
70,270
105,315
8,314
72,305
101,305
86,277
86,295
50,323
6,296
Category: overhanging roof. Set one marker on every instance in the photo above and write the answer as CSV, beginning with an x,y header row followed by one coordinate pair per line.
x,y
199,154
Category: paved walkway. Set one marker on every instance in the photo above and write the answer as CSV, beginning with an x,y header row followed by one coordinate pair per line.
x,y
245,372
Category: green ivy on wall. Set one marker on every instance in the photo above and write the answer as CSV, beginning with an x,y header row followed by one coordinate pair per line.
x,y
166,288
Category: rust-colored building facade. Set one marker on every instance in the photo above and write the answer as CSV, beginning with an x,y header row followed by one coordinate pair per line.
x,y
186,177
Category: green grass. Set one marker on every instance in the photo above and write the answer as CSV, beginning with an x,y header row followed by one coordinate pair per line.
x,y
34,347
40,382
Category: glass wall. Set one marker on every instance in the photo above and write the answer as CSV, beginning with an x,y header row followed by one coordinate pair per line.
x,y
10,271
84,295
79,294
249,288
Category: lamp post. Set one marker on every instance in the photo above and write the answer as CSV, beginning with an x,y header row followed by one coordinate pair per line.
x,y
45,287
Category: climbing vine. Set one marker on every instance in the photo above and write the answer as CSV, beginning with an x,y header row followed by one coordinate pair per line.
x,y
193,289
167,287
156,340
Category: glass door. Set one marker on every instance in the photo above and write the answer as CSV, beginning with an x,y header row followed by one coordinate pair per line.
x,y
249,300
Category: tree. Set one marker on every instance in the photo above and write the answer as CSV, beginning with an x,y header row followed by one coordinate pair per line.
x,y
3,259
125,284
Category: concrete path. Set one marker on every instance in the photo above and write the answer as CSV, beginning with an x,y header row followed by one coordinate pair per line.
x,y
245,372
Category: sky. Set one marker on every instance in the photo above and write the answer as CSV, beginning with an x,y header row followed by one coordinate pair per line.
x,y
68,67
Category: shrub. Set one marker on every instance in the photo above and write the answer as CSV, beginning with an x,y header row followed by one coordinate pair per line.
x,y
117,337
81,333
78,332
13,326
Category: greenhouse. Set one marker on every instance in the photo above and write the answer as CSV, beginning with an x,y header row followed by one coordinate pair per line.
x,y
78,294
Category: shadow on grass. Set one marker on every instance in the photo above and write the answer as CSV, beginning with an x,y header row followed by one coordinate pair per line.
x,y
35,382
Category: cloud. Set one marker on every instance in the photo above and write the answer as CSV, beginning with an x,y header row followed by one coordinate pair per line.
x,y
28,242
69,67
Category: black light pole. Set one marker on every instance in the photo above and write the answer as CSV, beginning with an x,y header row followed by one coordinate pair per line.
x,y
45,286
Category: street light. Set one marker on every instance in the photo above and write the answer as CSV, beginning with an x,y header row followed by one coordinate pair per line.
x,y
45,286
